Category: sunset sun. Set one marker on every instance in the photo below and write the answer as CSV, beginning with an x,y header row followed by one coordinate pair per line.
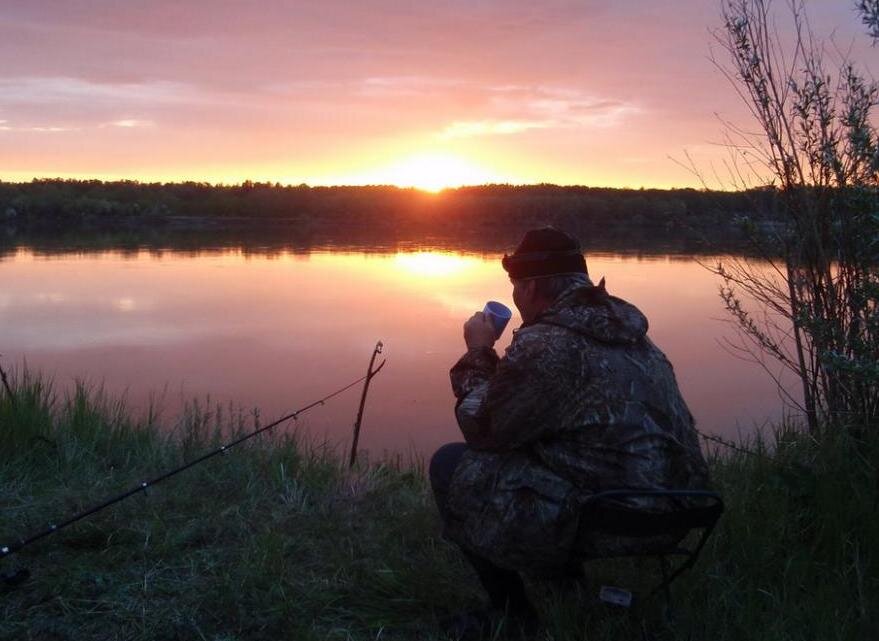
x,y
434,172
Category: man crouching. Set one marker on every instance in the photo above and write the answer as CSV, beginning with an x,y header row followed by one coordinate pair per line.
x,y
581,402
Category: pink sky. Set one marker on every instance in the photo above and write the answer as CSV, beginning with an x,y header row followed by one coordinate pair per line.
x,y
427,93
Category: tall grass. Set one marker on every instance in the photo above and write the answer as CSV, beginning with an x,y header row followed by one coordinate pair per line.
x,y
277,540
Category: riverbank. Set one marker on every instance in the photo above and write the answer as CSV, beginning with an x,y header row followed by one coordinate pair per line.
x,y
276,540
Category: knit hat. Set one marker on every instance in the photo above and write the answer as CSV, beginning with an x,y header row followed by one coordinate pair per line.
x,y
545,252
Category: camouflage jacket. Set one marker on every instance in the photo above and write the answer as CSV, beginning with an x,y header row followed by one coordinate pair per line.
x,y
582,401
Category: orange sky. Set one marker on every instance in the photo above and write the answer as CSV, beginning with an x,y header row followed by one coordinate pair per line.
x,y
412,93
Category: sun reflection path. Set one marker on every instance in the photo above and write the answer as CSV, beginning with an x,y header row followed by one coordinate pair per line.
x,y
434,264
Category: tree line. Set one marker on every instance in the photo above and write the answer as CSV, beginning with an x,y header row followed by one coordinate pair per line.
x,y
58,201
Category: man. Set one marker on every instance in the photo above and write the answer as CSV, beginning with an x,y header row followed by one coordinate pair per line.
x,y
582,401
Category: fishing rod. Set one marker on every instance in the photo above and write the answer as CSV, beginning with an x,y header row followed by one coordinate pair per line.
x,y
6,550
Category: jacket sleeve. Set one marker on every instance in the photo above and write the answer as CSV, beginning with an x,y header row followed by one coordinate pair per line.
x,y
506,403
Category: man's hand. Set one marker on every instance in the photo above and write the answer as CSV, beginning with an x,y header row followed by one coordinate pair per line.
x,y
479,332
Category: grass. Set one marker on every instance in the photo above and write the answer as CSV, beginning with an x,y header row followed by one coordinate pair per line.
x,y
276,540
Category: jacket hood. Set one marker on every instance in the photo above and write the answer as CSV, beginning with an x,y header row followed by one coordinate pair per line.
x,y
591,311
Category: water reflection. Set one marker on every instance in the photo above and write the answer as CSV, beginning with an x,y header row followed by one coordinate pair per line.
x,y
277,331
433,264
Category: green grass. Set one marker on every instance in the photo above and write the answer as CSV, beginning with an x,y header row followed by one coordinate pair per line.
x,y
276,540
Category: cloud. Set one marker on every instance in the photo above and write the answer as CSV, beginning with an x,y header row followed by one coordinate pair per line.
x,y
518,109
125,123
380,86
65,89
54,104
467,129
568,107
130,123
293,87
50,129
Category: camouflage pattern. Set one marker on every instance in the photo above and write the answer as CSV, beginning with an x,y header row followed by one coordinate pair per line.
x,y
582,401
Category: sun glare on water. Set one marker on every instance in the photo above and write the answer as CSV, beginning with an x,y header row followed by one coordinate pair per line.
x,y
433,264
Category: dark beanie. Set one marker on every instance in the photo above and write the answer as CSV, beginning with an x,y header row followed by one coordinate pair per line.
x,y
545,252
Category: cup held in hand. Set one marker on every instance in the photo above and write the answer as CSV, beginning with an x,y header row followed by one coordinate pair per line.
x,y
499,315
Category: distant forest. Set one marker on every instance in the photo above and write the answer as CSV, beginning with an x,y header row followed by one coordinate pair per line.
x,y
500,211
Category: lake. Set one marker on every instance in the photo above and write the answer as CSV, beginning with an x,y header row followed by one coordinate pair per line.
x,y
276,330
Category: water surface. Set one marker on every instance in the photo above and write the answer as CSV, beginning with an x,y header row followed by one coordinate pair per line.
x,y
275,331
